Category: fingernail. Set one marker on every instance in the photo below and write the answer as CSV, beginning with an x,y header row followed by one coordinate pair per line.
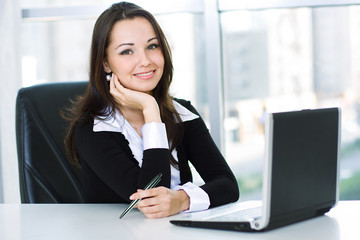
x,y
132,197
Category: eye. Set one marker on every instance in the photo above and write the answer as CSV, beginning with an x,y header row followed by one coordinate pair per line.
x,y
153,46
126,52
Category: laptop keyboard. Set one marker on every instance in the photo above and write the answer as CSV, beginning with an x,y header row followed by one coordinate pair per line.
x,y
241,215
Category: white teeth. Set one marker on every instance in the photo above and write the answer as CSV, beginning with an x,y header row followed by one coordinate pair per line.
x,y
144,74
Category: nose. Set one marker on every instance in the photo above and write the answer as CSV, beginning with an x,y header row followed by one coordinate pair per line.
x,y
144,59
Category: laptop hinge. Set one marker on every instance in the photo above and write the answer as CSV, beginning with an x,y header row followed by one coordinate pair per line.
x,y
255,224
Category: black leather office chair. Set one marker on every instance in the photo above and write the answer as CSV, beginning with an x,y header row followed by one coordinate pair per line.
x,y
44,172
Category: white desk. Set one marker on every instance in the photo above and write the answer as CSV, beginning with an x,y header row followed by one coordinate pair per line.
x,y
101,221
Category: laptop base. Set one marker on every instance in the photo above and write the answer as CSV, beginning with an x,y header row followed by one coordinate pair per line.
x,y
246,226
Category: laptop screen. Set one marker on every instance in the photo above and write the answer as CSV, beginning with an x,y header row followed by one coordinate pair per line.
x,y
305,160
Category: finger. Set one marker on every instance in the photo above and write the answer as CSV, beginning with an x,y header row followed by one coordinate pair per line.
x,y
136,195
150,205
117,83
154,212
155,215
140,194
148,202
157,190
117,90
150,209
112,84
153,192
162,201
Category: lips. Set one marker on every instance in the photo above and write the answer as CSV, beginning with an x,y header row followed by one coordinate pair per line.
x,y
145,75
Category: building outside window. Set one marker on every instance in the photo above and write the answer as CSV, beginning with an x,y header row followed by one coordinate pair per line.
x,y
289,59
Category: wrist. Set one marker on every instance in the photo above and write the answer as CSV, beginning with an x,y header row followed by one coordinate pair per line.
x,y
184,200
151,112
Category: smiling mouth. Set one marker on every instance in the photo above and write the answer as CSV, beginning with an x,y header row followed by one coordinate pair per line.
x,y
145,74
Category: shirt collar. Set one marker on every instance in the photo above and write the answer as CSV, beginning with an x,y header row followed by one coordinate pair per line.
x,y
117,122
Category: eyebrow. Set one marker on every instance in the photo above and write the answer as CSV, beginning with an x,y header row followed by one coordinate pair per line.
x,y
125,44
132,44
152,39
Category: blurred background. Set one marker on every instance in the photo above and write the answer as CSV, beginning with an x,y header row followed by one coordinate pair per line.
x,y
235,60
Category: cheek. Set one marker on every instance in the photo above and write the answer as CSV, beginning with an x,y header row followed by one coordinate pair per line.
x,y
123,67
158,59
160,62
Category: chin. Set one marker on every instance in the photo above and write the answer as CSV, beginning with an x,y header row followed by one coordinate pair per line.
x,y
146,89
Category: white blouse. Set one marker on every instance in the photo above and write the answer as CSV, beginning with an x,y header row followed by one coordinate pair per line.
x,y
154,136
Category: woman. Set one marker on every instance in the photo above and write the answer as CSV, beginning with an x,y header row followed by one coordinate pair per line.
x,y
127,128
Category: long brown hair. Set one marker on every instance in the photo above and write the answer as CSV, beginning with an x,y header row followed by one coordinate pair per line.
x,y
97,98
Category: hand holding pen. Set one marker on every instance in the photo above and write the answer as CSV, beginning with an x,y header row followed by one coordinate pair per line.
x,y
151,184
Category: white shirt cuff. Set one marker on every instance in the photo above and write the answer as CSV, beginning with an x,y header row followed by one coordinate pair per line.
x,y
154,135
199,199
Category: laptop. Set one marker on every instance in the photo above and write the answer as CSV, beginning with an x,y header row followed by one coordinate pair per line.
x,y
300,178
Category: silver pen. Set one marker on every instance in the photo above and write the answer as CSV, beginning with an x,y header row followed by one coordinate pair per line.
x,y
151,184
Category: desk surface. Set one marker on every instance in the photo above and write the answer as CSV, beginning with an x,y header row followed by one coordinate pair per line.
x,y
101,221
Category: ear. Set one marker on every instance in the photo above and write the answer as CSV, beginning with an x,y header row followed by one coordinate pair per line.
x,y
107,67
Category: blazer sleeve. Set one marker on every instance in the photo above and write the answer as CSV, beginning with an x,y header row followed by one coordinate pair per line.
x,y
220,183
110,158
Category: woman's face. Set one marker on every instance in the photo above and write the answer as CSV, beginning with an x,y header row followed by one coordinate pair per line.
x,y
134,55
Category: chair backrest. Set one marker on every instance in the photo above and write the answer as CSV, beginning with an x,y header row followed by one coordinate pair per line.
x,y
44,173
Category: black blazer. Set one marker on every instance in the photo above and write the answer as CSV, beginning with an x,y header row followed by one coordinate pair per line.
x,y
110,173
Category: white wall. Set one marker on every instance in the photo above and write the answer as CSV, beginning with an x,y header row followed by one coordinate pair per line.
x,y
10,81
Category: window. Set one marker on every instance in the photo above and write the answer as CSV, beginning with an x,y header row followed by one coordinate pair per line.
x,y
60,3
289,59
276,56
57,51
